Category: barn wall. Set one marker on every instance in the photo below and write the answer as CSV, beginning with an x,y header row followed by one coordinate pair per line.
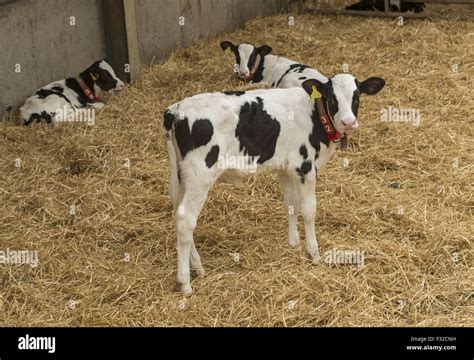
x,y
37,35
159,31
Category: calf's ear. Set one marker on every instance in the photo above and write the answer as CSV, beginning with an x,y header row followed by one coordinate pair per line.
x,y
264,50
227,46
316,88
371,86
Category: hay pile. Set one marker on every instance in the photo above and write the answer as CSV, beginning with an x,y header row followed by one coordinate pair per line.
x,y
417,237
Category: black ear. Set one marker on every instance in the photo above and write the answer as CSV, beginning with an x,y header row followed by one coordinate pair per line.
x,y
226,45
264,50
371,86
323,88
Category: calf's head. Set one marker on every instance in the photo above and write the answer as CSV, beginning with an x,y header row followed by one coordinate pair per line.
x,y
341,97
103,76
247,57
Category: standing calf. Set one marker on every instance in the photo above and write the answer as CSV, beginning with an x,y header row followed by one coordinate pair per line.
x,y
291,131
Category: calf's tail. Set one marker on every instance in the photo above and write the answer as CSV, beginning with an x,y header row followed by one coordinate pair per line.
x,y
175,187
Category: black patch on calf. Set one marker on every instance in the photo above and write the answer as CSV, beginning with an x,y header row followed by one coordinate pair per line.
x,y
183,137
35,117
330,100
168,119
211,157
105,80
200,134
355,102
236,93
305,168
318,135
257,131
280,80
252,59
237,55
258,76
74,85
44,93
58,89
304,151
296,68
47,116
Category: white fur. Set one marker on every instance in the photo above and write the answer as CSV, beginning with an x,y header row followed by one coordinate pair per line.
x,y
344,86
276,66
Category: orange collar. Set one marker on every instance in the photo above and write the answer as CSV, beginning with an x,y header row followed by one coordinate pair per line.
x,y
254,69
86,89
331,132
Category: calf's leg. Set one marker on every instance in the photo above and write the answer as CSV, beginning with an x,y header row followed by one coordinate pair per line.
x,y
307,198
290,198
194,196
195,260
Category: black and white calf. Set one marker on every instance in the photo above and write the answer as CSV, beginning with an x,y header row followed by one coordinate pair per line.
x,y
52,101
257,66
291,131
405,6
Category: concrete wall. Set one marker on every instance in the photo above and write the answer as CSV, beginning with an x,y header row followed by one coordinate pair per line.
x,y
159,31
37,35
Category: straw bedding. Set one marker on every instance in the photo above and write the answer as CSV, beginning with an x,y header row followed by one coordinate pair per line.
x,y
404,198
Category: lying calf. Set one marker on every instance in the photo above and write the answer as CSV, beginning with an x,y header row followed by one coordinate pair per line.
x,y
290,131
256,65
417,7
51,102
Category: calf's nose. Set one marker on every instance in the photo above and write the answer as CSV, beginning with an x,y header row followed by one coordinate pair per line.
x,y
350,123
243,74
120,86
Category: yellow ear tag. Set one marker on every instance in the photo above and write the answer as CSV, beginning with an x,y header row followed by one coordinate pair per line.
x,y
315,94
94,76
228,51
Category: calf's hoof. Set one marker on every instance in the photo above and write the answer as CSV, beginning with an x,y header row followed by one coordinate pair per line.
x,y
316,259
294,243
198,271
186,289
